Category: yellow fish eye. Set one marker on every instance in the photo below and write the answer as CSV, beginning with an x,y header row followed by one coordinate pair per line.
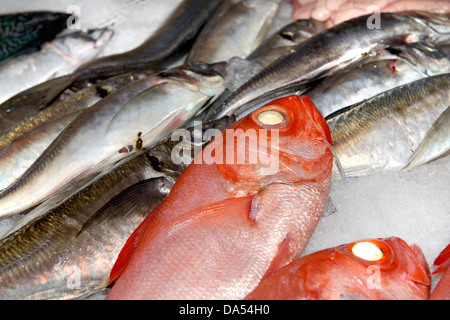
x,y
367,251
270,117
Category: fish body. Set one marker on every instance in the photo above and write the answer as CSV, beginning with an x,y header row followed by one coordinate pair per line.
x,y
172,38
240,70
21,31
435,144
285,39
235,30
87,228
381,133
218,242
376,75
396,272
54,59
24,142
442,289
135,116
328,52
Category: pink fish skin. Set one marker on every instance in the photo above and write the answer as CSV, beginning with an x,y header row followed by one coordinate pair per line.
x,y
225,226
442,289
338,274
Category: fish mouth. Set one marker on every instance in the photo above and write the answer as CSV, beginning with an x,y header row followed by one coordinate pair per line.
x,y
416,266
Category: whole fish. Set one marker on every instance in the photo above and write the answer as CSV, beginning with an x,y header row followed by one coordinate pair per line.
x,y
135,116
381,133
257,212
370,269
25,30
85,231
442,289
374,76
172,38
235,30
434,145
24,142
328,52
56,58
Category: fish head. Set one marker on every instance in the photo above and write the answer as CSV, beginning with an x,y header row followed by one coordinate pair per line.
x,y
302,29
85,44
284,141
402,269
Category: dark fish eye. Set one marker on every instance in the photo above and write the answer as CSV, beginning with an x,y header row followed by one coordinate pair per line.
x,y
288,35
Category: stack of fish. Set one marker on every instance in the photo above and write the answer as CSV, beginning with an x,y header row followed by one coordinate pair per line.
x,y
89,157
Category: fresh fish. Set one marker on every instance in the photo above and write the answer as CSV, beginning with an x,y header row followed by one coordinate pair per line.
x,y
21,31
25,141
256,213
235,30
436,143
135,116
328,52
171,39
387,71
370,269
442,289
85,232
382,133
56,58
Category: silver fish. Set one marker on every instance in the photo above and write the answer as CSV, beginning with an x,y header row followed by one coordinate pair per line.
x,y
86,230
436,143
362,81
329,51
174,37
135,116
235,30
25,141
381,133
56,58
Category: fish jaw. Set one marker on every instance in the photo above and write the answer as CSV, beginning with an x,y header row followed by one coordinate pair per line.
x,y
293,150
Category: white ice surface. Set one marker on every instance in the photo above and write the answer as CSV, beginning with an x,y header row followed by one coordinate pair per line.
x,y
411,205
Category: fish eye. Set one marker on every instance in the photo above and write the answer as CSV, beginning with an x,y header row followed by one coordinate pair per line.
x,y
367,251
288,35
270,117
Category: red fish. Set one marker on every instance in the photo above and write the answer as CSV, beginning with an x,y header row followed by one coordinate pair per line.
x,y
371,269
442,290
227,223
